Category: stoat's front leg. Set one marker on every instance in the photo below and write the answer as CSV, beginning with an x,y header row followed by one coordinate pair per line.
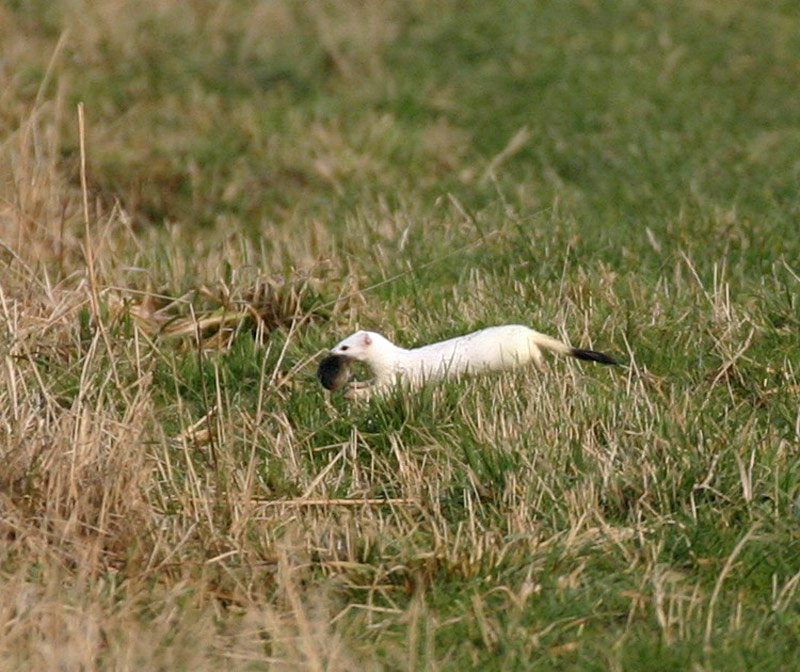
x,y
359,390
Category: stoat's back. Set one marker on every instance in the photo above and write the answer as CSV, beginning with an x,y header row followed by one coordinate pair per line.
x,y
490,349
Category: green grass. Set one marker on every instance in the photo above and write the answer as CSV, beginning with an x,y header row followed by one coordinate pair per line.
x,y
264,178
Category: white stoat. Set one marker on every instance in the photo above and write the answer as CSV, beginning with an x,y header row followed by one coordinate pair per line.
x,y
491,349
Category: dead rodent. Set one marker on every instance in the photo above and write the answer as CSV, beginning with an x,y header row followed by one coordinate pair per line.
x,y
334,372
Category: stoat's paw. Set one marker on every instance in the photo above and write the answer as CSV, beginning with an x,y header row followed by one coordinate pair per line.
x,y
358,391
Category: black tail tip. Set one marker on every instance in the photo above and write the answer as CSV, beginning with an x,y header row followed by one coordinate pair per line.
x,y
592,356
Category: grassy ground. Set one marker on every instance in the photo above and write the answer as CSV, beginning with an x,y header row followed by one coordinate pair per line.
x,y
262,178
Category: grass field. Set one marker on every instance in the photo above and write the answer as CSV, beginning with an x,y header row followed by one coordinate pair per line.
x,y
261,179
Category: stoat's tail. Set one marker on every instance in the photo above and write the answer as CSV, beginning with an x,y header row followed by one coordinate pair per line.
x,y
550,343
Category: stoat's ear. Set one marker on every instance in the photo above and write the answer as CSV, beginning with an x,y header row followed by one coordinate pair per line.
x,y
367,339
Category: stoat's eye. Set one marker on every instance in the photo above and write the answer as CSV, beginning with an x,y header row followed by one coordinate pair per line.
x,y
344,347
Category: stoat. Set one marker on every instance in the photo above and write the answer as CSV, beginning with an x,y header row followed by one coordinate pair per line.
x,y
491,349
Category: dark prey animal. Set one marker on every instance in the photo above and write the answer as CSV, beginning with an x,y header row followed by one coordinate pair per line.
x,y
334,372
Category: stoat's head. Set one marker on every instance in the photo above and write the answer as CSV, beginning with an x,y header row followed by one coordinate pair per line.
x,y
376,351
360,346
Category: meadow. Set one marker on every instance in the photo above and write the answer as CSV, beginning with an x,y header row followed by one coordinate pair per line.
x,y
197,199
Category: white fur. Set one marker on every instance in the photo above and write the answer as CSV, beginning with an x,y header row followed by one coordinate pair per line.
x,y
491,349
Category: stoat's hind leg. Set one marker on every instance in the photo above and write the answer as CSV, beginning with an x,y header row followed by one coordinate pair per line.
x,y
536,357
